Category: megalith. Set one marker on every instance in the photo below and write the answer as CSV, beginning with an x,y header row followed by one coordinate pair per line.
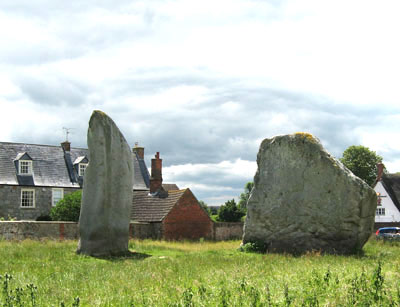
x,y
306,200
107,190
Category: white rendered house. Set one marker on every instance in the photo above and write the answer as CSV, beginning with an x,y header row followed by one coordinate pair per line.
x,y
387,188
387,209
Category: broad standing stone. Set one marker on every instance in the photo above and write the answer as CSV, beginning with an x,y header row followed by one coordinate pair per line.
x,y
107,190
304,199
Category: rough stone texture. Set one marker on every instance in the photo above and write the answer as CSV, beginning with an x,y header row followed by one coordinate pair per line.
x,y
21,230
10,202
107,190
304,200
228,231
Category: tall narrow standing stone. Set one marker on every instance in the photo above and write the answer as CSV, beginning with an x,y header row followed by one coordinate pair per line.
x,y
107,190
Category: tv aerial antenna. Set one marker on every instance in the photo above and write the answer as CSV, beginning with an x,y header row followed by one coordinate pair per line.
x,y
67,132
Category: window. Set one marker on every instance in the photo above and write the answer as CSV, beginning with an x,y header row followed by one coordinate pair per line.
x,y
27,198
82,168
380,211
57,195
25,167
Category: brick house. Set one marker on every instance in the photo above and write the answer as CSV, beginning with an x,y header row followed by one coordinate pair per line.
x,y
170,213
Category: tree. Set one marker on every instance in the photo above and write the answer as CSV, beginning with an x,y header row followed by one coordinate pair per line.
x,y
68,208
229,212
244,197
205,207
362,162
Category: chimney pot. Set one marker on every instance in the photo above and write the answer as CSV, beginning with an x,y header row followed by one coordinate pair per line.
x,y
66,146
380,167
156,174
139,150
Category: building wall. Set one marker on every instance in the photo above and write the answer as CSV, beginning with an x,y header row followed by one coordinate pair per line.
x,y
228,231
20,230
141,230
392,214
187,220
10,202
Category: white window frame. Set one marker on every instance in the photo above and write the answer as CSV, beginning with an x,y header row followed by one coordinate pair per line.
x,y
380,212
21,166
54,200
82,169
22,197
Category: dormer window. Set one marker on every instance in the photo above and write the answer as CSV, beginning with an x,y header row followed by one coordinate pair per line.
x,y
24,164
80,165
25,167
82,168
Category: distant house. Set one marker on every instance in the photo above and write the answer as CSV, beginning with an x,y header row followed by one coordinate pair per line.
x,y
387,188
34,177
171,214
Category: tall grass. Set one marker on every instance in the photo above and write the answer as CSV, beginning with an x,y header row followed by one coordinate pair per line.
x,y
49,273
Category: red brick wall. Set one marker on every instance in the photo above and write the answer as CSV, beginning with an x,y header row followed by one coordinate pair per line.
x,y
187,220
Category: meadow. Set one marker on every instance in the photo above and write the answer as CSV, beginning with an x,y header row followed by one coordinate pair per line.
x,y
158,273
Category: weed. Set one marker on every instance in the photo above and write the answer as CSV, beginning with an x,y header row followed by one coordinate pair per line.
x,y
187,297
254,247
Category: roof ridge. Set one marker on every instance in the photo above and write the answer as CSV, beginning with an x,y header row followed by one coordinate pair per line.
x,y
42,145
176,191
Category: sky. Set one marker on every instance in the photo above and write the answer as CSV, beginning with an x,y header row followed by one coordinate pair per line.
x,y
203,82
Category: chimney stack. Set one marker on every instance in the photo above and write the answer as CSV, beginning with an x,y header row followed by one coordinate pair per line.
x,y
66,146
156,176
380,167
139,150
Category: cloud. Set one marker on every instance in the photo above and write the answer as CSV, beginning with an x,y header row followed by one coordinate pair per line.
x,y
209,181
53,90
203,86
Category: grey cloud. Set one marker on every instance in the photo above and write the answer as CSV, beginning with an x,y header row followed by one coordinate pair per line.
x,y
74,29
53,90
201,133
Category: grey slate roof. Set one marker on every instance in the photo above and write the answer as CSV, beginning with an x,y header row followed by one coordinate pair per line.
x,y
391,183
147,208
141,176
51,167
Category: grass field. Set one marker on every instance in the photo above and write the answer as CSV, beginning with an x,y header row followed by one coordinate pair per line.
x,y
49,273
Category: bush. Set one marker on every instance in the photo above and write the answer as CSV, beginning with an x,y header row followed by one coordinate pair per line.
x,y
68,208
253,247
230,212
44,217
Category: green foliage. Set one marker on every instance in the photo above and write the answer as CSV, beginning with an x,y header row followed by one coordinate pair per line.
x,y
253,247
68,208
44,217
244,197
230,212
205,207
362,162
9,218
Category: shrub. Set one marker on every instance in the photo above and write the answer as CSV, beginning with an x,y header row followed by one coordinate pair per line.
x,y
44,217
253,247
230,212
68,208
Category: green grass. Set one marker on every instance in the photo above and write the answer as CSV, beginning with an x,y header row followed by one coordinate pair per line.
x,y
196,274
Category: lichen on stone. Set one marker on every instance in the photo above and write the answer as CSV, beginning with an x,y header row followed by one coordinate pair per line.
x,y
306,135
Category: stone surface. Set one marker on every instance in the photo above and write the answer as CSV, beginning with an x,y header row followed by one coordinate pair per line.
x,y
304,199
107,190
